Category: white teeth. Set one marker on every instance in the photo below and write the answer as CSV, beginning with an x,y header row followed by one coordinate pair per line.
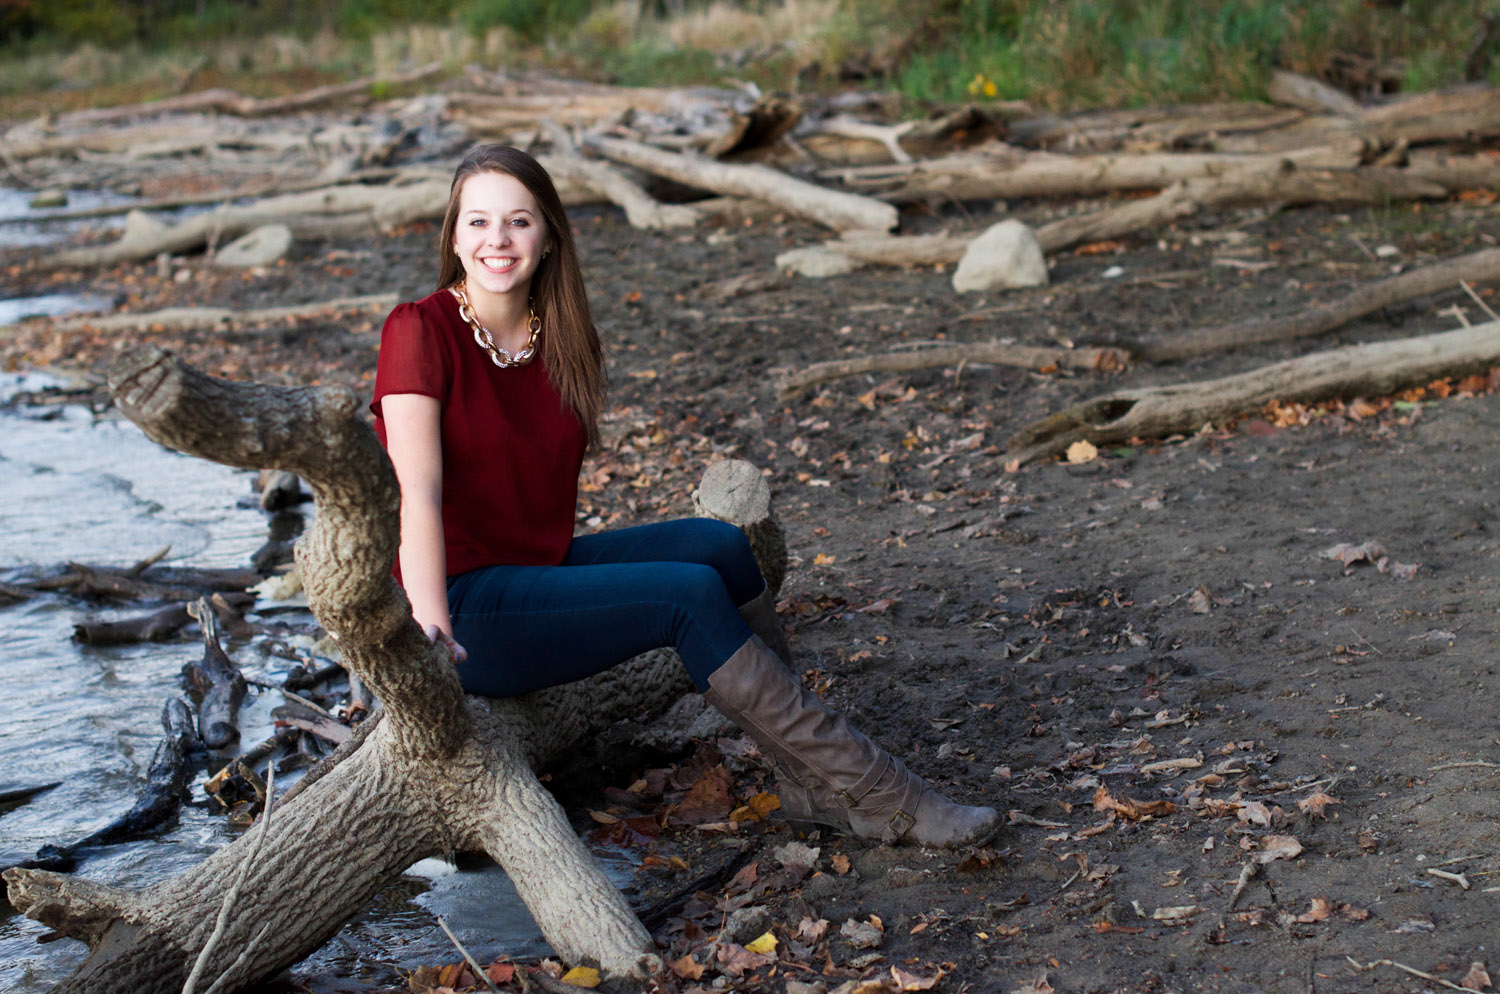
x,y
498,264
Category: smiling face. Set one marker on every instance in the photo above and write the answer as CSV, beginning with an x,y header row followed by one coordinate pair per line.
x,y
499,235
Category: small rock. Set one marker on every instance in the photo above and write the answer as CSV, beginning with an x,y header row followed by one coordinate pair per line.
x,y
260,247
816,262
50,197
862,935
140,226
747,924
1006,255
1113,273
1387,252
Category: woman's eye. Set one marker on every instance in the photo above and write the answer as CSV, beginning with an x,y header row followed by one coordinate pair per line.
x,y
477,222
519,222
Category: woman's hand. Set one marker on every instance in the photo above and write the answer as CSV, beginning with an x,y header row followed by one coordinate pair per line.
x,y
438,635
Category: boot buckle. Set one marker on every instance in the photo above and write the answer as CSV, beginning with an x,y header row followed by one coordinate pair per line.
x,y
907,823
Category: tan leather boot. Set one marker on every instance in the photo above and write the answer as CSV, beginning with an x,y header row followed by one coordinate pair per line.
x,y
760,615
841,777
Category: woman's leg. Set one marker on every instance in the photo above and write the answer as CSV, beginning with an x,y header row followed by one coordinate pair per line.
x,y
695,540
686,540
529,627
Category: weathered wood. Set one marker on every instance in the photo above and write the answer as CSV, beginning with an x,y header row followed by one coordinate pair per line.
x,y
641,209
156,806
153,627
833,208
1296,90
1282,185
800,381
223,318
1473,268
218,682
1154,412
439,772
998,170
322,213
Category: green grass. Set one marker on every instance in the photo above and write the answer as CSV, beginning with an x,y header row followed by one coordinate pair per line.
x,y
1059,54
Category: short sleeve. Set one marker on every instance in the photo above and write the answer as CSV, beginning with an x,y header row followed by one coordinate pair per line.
x,y
411,357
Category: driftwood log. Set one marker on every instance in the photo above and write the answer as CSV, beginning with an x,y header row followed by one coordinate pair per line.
x,y
1154,412
224,318
217,682
641,209
441,772
158,802
832,208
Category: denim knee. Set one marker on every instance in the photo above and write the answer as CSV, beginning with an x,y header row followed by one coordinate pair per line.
x,y
726,548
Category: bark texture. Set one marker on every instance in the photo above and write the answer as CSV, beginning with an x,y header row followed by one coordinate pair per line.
x,y
440,772
1153,412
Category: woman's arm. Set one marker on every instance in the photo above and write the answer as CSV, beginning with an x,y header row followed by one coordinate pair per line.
x,y
413,439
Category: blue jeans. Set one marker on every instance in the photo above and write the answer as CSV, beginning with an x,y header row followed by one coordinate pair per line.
x,y
616,594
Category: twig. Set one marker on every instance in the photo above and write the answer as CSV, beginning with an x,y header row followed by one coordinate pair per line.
x,y
1457,878
232,896
1247,873
1478,300
239,960
1414,972
1463,763
479,971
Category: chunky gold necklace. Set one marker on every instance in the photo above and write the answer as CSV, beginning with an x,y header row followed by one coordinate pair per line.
x,y
498,356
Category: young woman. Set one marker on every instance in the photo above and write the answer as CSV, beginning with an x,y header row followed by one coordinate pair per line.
x,y
487,394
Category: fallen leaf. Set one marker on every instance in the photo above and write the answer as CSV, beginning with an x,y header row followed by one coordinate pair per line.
x,y
1165,765
707,800
1081,452
1255,813
812,931
501,973
1477,978
1274,847
1200,601
1313,805
841,864
824,559
765,945
911,982
1128,808
1354,914
862,935
1320,910
582,976
1105,927
687,968
735,959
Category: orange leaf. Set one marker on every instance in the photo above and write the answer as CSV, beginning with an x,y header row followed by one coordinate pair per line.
x,y
686,968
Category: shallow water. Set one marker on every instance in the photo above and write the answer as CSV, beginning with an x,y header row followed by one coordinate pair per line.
x,y
22,225
93,489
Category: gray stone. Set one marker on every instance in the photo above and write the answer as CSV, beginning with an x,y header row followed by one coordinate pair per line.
x,y
747,924
140,226
260,247
1006,255
817,262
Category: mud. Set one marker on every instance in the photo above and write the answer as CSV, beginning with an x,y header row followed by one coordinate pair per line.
x,y
1036,639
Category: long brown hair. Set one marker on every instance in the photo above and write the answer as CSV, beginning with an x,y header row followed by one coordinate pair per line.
x,y
570,343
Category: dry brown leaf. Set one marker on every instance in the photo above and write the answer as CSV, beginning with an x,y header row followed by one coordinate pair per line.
x,y
812,931
1321,909
708,800
1274,847
911,982
1477,978
501,973
862,935
1255,813
841,864
1081,452
687,968
1129,808
735,959
1313,805
1201,601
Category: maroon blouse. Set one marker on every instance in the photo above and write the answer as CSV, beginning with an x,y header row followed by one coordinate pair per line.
x,y
511,448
